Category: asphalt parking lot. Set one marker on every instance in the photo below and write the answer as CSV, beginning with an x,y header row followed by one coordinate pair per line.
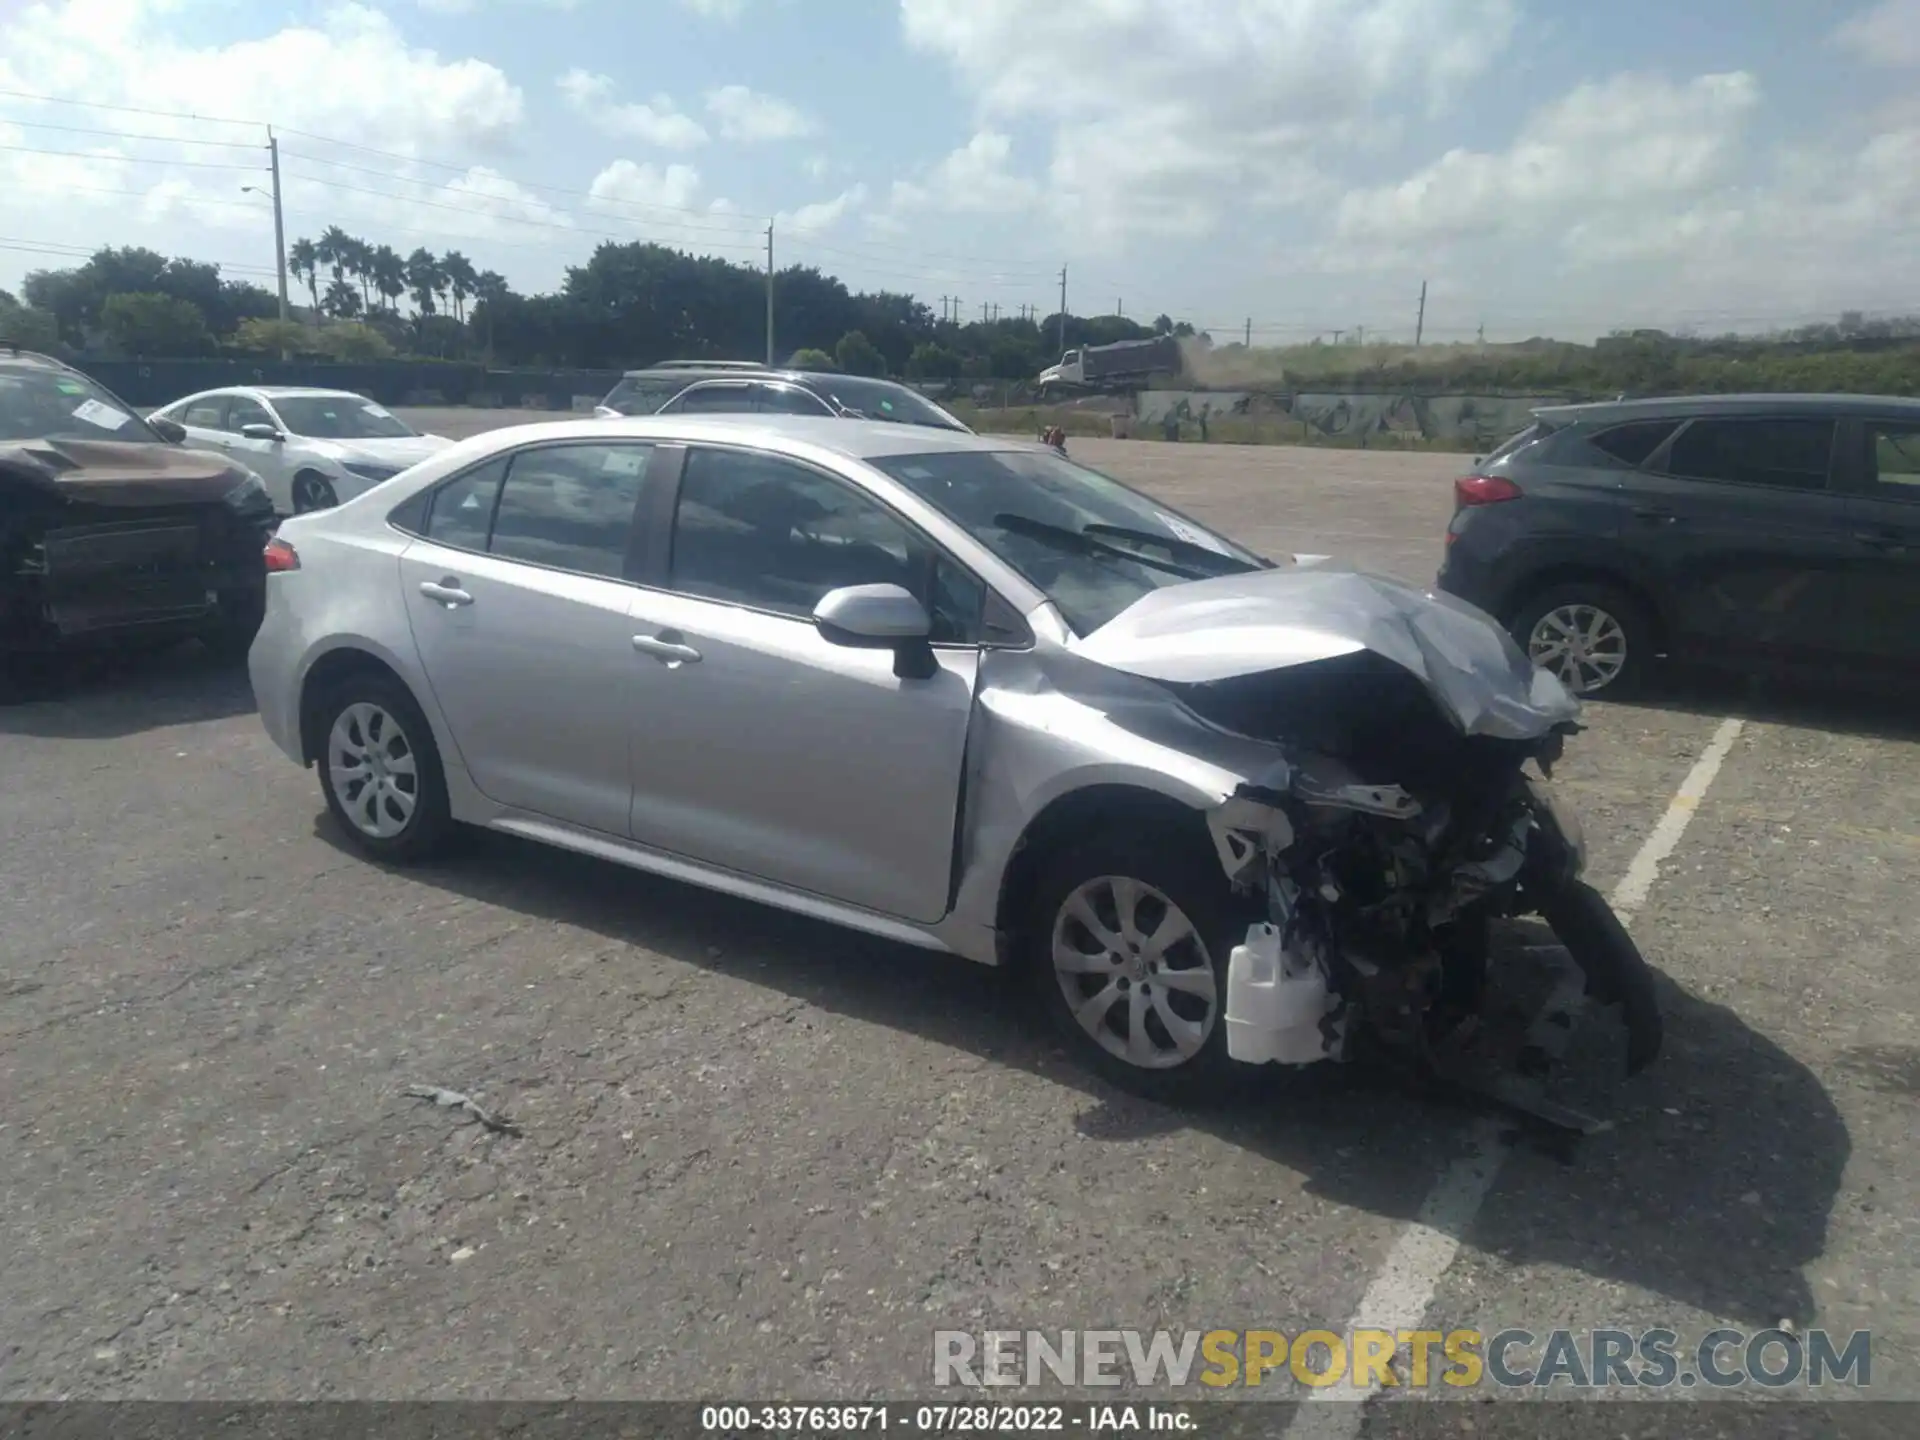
x,y
765,1158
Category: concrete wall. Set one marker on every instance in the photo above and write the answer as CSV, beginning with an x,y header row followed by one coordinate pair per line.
x,y
1482,420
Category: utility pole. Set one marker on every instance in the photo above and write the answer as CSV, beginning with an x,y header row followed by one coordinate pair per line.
x,y
279,231
1247,343
943,306
1119,309
1063,309
769,292
1336,336
1482,336
1420,323
1359,334
983,312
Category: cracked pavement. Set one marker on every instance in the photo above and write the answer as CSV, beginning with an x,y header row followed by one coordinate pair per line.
x,y
764,1158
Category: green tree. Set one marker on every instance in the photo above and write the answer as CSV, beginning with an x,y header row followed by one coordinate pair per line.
x,y
424,280
354,342
813,359
461,278
270,337
389,274
932,361
303,259
858,355
27,327
158,326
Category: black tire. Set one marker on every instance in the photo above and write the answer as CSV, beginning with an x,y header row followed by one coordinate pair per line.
x,y
429,825
1190,877
241,614
1636,629
1617,973
313,492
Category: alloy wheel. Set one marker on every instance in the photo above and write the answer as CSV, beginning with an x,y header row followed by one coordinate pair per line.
x,y
372,769
310,493
1135,973
1583,645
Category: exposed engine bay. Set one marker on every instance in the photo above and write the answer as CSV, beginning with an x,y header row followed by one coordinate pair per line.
x,y
1384,849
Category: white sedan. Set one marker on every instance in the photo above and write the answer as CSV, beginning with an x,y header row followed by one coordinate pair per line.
x,y
312,448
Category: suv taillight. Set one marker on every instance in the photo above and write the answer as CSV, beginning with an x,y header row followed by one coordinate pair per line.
x,y
1484,490
281,557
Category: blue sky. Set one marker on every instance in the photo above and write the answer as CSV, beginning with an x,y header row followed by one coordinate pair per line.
x,y
1305,164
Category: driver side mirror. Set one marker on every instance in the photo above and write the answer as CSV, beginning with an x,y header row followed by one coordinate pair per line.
x,y
260,432
171,431
879,617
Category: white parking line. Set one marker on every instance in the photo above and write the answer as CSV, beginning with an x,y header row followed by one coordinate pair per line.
x,y
1398,1297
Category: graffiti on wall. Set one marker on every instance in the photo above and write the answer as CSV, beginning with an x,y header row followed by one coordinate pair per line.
x,y
1479,420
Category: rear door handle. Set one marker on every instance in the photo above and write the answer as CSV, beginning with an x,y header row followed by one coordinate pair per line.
x,y
1653,512
1883,539
447,591
669,652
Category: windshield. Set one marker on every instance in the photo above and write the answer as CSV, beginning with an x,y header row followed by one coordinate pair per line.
x,y
880,400
60,405
1028,508
645,394
339,417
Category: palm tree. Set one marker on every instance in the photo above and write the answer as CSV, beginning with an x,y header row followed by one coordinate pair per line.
x,y
424,279
343,303
303,258
359,264
490,286
333,248
460,276
389,274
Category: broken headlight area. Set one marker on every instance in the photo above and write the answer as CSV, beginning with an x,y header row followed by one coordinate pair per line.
x,y
1387,846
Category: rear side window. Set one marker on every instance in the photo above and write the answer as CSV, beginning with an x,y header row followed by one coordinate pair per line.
x,y
1632,443
1895,452
462,509
715,400
644,395
208,414
1783,454
571,507
790,400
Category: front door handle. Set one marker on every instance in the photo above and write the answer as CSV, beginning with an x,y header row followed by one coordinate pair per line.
x,y
671,653
447,591
1882,539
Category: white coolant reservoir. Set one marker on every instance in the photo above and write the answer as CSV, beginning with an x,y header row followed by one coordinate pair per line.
x,y
1275,1002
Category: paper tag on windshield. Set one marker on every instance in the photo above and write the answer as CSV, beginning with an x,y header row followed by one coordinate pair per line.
x,y
105,416
1192,536
378,411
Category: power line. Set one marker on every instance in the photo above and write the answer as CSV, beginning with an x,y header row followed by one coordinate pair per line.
x,y
133,159
128,134
81,252
126,109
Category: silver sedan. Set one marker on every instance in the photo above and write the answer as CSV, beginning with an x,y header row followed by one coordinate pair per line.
x,y
952,690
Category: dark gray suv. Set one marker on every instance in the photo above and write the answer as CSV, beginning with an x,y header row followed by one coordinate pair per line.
x,y
1725,529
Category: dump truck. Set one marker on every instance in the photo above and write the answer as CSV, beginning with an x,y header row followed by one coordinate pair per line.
x,y
1112,367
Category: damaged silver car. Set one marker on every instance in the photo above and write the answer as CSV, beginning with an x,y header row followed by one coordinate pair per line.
x,y
963,693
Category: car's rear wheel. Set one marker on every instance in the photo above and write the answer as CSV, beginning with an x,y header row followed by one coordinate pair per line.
x,y
1595,637
1127,943
380,770
312,492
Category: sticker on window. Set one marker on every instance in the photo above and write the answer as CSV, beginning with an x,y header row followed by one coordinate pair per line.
x,y
70,387
624,462
104,416
1189,533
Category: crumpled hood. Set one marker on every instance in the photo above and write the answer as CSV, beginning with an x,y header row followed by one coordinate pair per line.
x,y
122,473
399,451
1233,625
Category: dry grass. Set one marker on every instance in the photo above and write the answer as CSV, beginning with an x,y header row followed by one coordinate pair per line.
x,y
1221,430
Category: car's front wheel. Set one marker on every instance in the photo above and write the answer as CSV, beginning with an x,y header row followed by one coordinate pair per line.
x,y
1128,943
380,770
312,492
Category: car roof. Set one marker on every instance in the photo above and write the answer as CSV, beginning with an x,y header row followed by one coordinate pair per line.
x,y
853,439
13,357
1679,407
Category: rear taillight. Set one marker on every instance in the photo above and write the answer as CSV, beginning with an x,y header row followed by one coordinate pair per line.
x,y
281,557
1484,490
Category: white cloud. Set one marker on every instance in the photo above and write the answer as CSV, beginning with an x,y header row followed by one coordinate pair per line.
x,y
974,178
1616,151
659,122
467,7
1169,117
821,214
1887,34
748,115
626,183
728,11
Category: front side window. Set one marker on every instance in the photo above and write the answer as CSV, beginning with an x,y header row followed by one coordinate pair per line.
x,y
1083,539
790,400
755,530
1785,454
244,412
1895,453
207,413
713,400
340,417
571,507
883,400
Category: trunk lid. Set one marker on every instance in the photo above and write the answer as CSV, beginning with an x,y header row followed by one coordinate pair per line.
x,y
1267,620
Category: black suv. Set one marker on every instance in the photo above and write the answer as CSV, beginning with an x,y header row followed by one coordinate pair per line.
x,y
111,532
1724,529
738,387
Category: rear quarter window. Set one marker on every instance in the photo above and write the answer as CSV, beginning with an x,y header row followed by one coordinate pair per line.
x,y
1630,443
